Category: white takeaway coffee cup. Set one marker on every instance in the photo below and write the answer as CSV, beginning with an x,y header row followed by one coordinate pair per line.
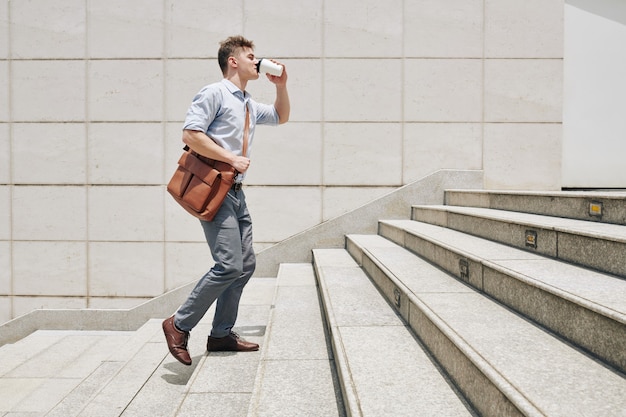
x,y
268,67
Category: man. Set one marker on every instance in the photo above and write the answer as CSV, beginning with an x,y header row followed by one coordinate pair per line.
x,y
215,128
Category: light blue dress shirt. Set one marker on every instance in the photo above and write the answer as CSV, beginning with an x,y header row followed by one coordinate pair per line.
x,y
219,111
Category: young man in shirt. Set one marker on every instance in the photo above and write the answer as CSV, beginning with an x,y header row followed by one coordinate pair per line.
x,y
214,128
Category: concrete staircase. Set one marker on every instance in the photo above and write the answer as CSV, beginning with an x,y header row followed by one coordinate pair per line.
x,y
131,373
523,314
495,304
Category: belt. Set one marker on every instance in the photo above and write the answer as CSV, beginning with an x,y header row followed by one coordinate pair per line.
x,y
237,186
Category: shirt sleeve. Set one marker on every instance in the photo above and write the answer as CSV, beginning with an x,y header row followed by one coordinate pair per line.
x,y
203,109
266,114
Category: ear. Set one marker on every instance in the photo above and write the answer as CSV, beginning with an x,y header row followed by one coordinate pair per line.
x,y
232,61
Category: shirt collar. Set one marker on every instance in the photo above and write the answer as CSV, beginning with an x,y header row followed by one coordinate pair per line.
x,y
234,89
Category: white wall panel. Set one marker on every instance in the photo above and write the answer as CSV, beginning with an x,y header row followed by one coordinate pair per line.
x,y
362,90
126,213
5,268
49,153
49,213
453,31
5,213
125,29
595,94
443,90
93,95
5,154
48,29
50,268
48,91
126,90
194,28
284,28
4,29
524,90
4,91
363,154
126,269
512,160
125,153
524,29
363,28
429,146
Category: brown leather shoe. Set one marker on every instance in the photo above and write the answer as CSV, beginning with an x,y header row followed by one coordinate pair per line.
x,y
176,341
230,343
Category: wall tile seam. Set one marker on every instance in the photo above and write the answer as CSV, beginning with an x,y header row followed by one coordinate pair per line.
x,y
164,154
77,59
302,122
86,184
522,58
449,58
322,186
143,240
12,284
556,122
82,121
87,131
449,122
190,58
323,106
79,296
403,97
246,185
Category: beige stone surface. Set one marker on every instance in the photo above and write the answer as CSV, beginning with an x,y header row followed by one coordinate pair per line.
x,y
443,90
511,160
93,95
55,30
440,32
4,91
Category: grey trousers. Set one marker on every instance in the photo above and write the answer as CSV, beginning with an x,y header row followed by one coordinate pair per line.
x,y
229,236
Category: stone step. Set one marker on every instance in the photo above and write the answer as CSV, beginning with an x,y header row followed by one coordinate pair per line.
x,y
131,373
39,372
139,361
384,371
595,245
501,362
12,355
596,206
222,382
296,375
583,306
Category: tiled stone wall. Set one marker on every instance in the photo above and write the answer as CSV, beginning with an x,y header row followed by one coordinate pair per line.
x,y
93,94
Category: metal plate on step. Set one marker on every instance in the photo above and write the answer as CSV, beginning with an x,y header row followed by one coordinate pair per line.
x,y
464,272
397,296
595,209
531,239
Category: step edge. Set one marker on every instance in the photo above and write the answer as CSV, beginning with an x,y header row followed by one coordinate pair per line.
x,y
520,401
348,389
618,195
598,351
556,291
529,223
591,305
255,396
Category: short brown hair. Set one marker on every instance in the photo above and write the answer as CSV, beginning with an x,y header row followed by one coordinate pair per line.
x,y
230,47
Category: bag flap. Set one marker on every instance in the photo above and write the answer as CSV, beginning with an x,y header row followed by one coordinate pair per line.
x,y
198,168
